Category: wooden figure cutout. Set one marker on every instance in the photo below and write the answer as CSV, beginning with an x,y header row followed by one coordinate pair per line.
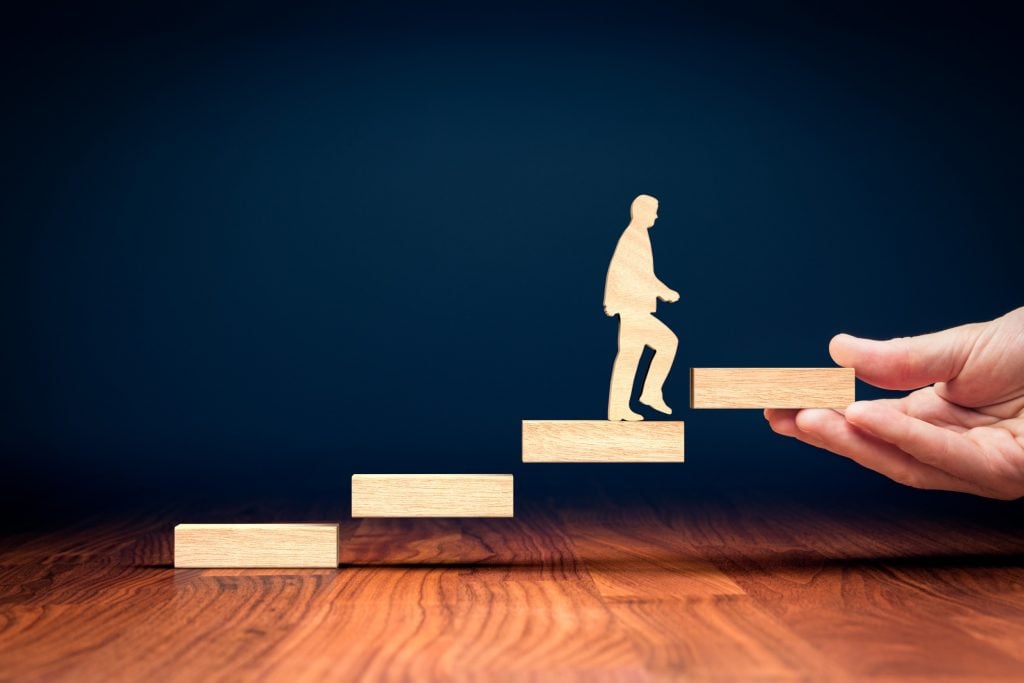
x,y
632,291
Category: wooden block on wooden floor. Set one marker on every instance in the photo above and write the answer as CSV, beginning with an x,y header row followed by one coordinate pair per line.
x,y
256,545
432,495
602,441
771,387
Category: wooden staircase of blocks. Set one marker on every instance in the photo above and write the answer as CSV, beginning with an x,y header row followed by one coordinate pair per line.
x,y
305,545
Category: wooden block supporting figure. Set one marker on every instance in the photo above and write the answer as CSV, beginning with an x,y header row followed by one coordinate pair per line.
x,y
602,441
632,291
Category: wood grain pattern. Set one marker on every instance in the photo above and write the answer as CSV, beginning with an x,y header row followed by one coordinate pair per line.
x,y
256,545
595,588
432,495
771,387
602,441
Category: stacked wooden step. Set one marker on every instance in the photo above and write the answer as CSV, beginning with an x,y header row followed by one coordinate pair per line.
x,y
432,495
771,387
255,545
582,441
316,545
491,495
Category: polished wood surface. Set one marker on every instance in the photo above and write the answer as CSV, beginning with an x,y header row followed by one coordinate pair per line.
x,y
591,590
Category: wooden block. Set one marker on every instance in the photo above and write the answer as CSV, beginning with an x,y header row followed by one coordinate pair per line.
x,y
771,387
432,495
602,441
256,545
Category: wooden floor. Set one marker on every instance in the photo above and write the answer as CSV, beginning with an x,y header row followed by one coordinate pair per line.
x,y
590,591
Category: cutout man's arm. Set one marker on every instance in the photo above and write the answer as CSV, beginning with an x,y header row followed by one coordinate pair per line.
x,y
631,283
664,292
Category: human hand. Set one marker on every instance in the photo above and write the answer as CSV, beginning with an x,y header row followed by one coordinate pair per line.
x,y
669,296
964,433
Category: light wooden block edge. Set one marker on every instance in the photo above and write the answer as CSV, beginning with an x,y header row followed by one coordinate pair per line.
x,y
501,505
529,445
323,562
841,396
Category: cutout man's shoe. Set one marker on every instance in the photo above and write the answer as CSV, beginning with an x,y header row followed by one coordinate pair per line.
x,y
658,403
626,414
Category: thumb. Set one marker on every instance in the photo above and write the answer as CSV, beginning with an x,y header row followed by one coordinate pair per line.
x,y
907,362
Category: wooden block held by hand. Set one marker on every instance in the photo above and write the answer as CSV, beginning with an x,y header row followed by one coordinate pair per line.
x,y
602,441
771,387
432,495
256,545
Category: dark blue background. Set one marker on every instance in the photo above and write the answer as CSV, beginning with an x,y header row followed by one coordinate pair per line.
x,y
250,251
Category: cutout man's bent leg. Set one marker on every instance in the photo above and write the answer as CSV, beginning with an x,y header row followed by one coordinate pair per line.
x,y
665,343
631,347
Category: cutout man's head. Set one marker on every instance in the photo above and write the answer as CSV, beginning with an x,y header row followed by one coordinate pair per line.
x,y
644,211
